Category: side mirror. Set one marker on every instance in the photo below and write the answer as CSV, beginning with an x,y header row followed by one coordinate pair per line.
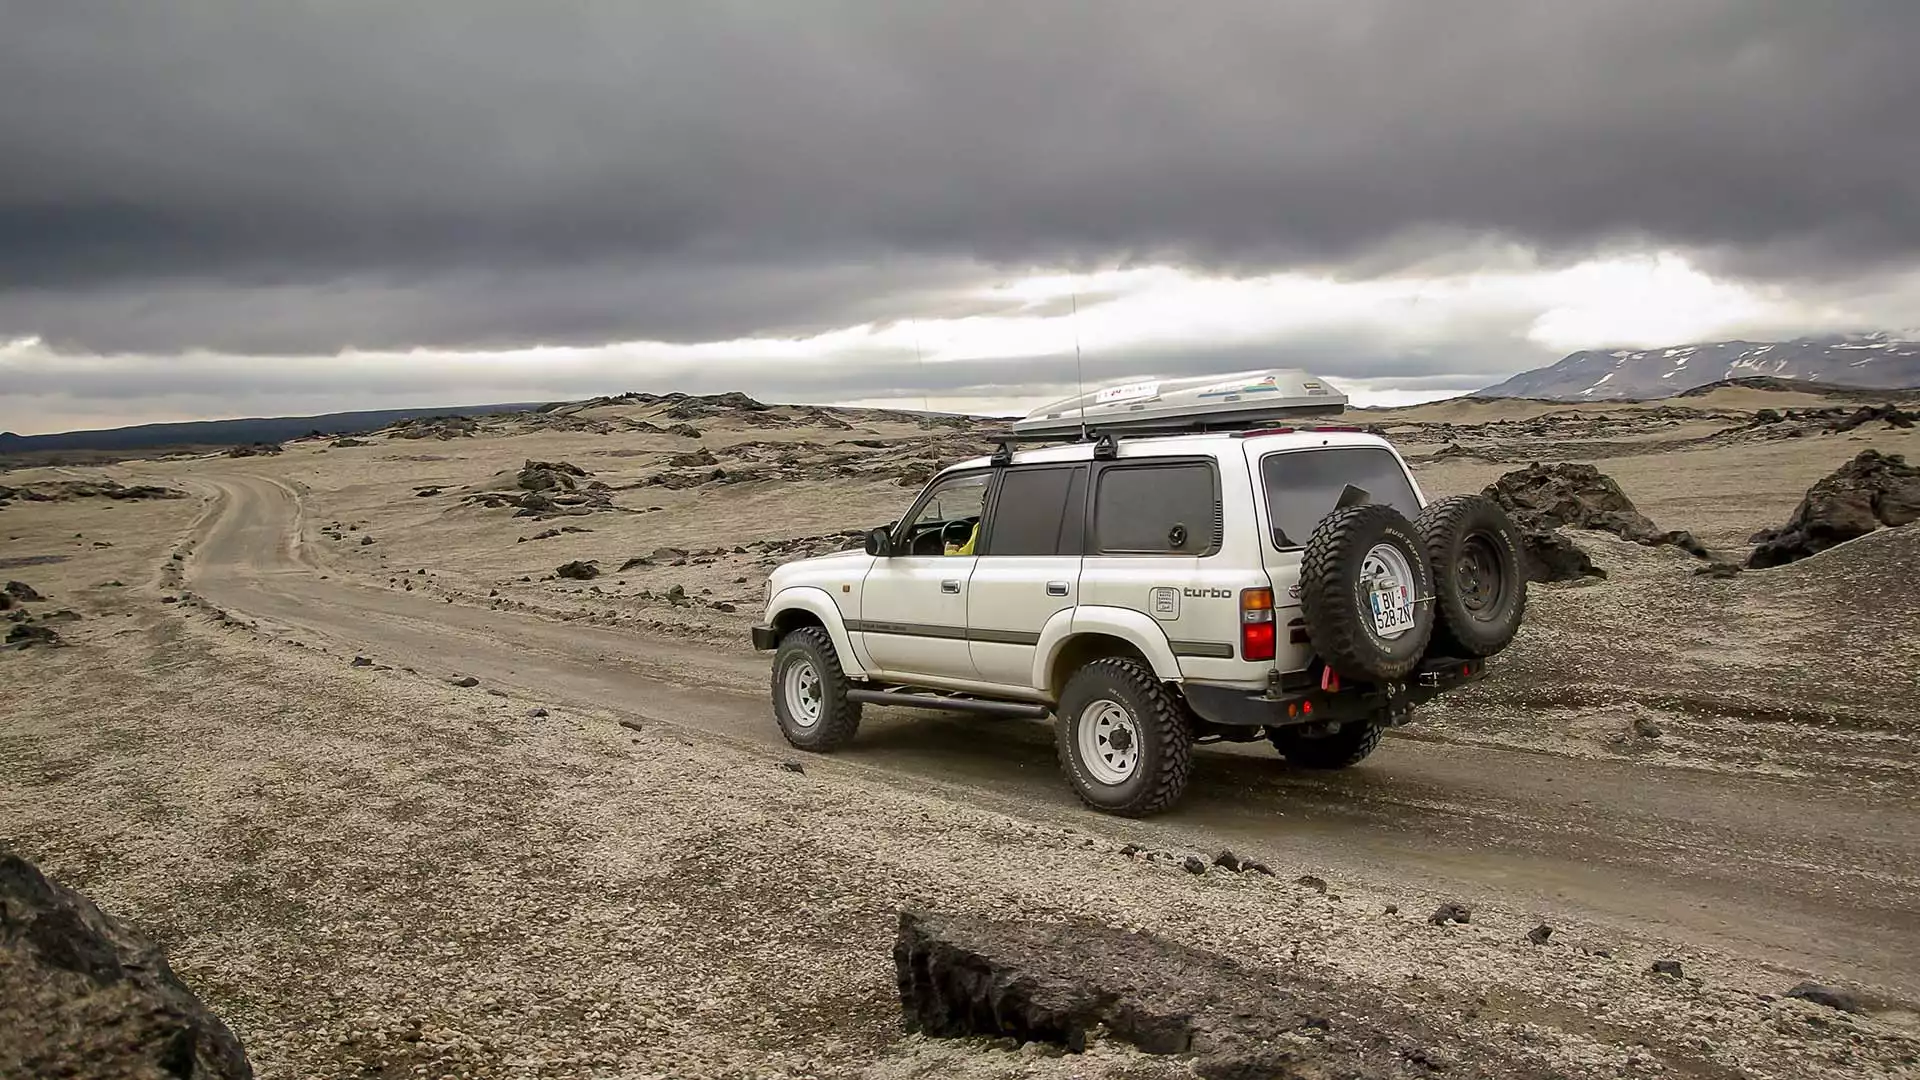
x,y
880,543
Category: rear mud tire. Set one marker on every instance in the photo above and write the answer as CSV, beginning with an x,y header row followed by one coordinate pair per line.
x,y
810,692
1335,598
1163,760
1479,577
1344,748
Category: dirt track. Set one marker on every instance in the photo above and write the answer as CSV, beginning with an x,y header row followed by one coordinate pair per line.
x,y
1816,880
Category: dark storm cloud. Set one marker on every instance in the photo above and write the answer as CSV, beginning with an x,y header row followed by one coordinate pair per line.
x,y
485,173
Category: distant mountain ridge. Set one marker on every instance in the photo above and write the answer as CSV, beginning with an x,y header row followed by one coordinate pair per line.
x,y
236,432
1865,359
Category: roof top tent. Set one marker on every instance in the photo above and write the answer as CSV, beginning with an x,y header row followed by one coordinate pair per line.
x,y
1205,403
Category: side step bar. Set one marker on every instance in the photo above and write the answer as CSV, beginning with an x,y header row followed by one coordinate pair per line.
x,y
1012,709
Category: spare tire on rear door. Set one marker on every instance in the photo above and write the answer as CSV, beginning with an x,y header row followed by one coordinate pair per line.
x,y
1365,588
1479,584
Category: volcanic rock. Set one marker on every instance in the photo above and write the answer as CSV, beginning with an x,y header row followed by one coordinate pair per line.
x,y
1550,556
89,996
578,570
1872,490
961,977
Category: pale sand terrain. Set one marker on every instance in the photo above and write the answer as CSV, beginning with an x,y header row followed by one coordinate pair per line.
x,y
369,872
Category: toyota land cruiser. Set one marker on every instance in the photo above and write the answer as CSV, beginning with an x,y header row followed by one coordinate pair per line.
x,y
1163,584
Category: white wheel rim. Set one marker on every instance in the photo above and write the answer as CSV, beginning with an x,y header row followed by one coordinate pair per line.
x,y
1109,741
802,685
1385,567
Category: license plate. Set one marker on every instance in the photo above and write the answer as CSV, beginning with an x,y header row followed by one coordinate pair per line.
x,y
1392,611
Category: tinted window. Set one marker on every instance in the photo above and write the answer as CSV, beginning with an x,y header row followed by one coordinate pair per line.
x,y
1158,509
1304,486
1037,512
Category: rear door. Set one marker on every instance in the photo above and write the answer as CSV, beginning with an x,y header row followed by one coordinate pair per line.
x,y
1156,544
1028,569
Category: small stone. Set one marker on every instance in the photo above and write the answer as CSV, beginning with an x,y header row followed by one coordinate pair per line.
x,y
1450,913
1831,996
633,725
1392,909
538,714
1254,867
497,693
465,681
794,767
1194,864
361,661
1228,860
1646,728
365,541
169,599
724,607
1539,934
1132,849
1308,881
1669,968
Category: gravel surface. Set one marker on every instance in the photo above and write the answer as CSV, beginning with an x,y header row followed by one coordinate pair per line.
x,y
370,872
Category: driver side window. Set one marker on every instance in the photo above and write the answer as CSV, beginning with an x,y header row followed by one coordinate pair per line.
x,y
948,522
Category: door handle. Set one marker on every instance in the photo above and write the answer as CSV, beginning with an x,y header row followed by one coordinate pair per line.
x,y
1056,588
950,587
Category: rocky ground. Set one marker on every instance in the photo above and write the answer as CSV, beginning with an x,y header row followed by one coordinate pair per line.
x,y
369,871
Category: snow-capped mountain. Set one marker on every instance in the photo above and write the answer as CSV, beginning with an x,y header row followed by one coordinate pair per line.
x,y
1870,359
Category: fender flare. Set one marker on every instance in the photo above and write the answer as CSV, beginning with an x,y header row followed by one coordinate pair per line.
x,y
1133,627
819,603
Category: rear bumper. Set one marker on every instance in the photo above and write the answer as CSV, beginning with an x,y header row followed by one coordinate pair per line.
x,y
1303,697
765,638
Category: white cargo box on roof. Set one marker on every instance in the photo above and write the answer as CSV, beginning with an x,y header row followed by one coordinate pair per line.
x,y
1190,404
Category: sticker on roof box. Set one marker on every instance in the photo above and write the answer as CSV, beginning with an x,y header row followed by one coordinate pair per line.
x,y
1127,392
1258,386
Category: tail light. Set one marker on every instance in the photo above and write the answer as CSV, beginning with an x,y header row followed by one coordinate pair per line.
x,y
1256,624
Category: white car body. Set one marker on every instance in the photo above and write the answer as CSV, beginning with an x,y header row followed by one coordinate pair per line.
x,y
1012,626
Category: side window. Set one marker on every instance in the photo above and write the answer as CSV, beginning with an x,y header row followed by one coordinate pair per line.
x,y
1157,510
1038,512
948,519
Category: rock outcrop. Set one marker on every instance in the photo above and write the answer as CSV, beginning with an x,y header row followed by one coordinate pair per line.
x,y
1871,491
1054,983
87,995
1541,498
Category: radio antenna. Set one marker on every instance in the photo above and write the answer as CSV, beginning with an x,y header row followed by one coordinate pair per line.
x,y
926,391
1079,363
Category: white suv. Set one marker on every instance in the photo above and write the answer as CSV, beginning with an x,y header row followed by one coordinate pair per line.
x,y
1153,592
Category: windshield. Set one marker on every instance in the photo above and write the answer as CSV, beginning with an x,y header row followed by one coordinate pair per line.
x,y
1304,486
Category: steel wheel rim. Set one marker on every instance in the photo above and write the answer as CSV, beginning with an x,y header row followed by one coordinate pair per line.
x,y
801,684
1385,566
1482,585
1109,739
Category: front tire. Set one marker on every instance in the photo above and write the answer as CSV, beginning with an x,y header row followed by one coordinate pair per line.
x,y
810,692
1123,741
1342,749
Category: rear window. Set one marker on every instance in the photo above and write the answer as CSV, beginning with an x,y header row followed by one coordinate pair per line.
x,y
1303,486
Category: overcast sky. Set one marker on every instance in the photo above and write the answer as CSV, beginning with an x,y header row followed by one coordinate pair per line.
x,y
253,207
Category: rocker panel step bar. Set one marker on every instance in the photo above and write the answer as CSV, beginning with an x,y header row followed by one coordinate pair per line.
x,y
904,699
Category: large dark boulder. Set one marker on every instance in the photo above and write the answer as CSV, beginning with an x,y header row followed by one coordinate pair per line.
x,y
23,592
550,475
1541,498
578,570
1578,496
1872,490
85,995
1055,983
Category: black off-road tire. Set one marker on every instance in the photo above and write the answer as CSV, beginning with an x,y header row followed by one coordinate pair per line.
x,y
838,718
1347,747
1166,739
1338,610
1479,575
